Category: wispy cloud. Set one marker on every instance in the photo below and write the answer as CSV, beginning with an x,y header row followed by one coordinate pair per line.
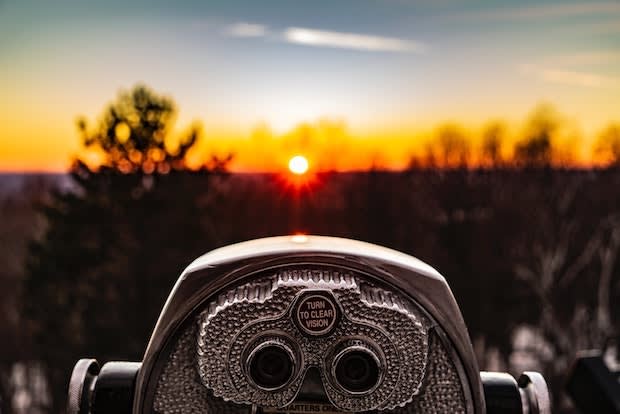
x,y
323,38
546,11
244,29
569,77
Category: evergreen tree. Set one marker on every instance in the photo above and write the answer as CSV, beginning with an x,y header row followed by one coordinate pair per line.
x,y
116,243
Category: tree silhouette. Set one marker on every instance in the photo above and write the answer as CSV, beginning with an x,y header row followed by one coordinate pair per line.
x,y
21,222
492,141
536,148
607,146
134,131
567,255
97,278
449,149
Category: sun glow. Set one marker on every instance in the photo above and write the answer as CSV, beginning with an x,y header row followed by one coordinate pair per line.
x,y
298,165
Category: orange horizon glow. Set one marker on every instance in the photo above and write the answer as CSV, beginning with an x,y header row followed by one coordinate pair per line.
x,y
329,143
274,154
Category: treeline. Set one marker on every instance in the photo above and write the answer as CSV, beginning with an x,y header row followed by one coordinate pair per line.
x,y
525,250
534,249
545,138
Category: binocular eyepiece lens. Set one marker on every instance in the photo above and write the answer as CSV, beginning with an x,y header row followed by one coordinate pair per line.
x,y
357,370
271,365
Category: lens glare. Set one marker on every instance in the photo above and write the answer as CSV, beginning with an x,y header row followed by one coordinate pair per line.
x,y
357,370
271,366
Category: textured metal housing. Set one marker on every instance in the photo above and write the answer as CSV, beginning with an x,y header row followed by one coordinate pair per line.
x,y
238,265
394,324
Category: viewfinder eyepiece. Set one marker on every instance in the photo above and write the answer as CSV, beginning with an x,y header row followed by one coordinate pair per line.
x,y
357,371
271,365
356,367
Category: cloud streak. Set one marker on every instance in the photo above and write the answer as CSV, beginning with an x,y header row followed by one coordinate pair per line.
x,y
323,38
355,41
243,29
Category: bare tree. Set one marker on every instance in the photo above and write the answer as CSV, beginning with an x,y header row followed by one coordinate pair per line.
x,y
558,265
492,142
607,146
536,147
449,149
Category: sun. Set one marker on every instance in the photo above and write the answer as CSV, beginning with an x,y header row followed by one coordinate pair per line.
x,y
298,165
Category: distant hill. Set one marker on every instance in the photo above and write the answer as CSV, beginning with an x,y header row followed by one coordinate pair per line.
x,y
11,183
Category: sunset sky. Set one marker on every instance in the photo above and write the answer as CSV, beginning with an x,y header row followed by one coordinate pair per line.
x,y
387,71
